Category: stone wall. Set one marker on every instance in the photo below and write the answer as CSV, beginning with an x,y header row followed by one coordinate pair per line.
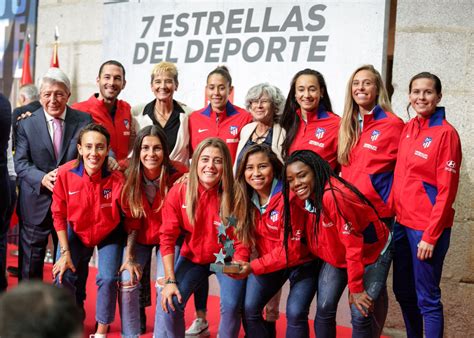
x,y
80,25
438,36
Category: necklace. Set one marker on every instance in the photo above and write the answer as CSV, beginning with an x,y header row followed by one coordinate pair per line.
x,y
260,138
162,118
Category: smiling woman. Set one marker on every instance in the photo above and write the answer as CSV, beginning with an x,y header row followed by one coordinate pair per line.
x,y
425,184
164,112
344,230
220,118
259,212
86,213
308,118
93,148
195,207
265,103
149,177
368,144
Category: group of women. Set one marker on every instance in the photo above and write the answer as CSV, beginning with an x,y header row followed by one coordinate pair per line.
x,y
319,201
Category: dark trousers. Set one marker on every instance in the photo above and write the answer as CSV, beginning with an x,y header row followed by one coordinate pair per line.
x,y
6,210
33,243
260,289
416,283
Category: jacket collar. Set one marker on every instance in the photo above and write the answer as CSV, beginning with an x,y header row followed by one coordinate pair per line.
x,y
435,119
79,170
321,113
229,110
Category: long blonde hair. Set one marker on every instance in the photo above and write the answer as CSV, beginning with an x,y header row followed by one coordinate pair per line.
x,y
349,130
226,190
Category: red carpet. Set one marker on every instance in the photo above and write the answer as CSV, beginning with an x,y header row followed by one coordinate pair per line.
x,y
213,306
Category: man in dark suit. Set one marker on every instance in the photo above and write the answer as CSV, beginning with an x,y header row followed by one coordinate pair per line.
x,y
5,123
45,140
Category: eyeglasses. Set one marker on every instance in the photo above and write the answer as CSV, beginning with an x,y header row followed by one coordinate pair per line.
x,y
259,102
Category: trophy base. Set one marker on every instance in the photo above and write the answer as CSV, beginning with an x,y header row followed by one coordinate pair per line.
x,y
225,268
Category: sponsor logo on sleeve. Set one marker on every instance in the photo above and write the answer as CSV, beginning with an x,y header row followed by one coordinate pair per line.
x,y
450,166
347,228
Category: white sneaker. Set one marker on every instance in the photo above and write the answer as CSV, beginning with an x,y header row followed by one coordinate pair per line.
x,y
199,328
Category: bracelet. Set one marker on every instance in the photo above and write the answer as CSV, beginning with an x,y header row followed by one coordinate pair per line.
x,y
171,281
63,250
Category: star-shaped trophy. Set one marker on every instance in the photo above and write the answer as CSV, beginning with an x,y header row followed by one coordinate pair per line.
x,y
225,254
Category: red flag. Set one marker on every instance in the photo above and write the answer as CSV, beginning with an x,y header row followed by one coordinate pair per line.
x,y
26,70
54,58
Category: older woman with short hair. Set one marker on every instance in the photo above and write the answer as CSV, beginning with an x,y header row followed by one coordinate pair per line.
x,y
265,103
165,112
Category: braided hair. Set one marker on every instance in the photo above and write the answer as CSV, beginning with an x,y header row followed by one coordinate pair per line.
x,y
322,175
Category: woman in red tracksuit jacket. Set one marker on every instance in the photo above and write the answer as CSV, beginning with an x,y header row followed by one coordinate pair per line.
x,y
220,118
150,175
198,207
424,189
86,213
367,152
308,119
344,230
259,211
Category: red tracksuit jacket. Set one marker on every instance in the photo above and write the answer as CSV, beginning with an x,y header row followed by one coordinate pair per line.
x,y
90,204
200,241
269,233
149,227
350,242
203,124
427,175
318,134
119,128
372,159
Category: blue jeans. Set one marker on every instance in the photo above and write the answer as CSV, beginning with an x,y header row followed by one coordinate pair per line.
x,y
416,283
190,276
110,256
260,289
129,295
331,284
